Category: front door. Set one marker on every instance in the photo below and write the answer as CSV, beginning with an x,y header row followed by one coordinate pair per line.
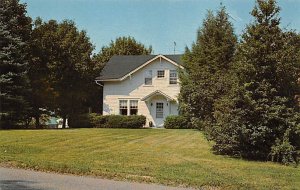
x,y
159,114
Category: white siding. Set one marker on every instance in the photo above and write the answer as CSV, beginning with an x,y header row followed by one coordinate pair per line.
x,y
133,88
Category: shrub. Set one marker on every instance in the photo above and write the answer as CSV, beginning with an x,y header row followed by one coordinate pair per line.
x,y
80,121
118,121
107,121
176,122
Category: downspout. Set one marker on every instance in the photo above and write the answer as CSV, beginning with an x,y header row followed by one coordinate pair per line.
x,y
97,82
101,103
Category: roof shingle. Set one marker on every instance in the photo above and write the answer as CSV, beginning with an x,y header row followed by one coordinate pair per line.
x,y
120,65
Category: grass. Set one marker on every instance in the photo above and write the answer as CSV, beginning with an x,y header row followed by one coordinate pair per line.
x,y
171,157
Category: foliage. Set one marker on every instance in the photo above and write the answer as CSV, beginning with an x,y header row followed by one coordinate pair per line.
x,y
121,46
62,72
176,122
259,116
107,121
204,78
120,121
15,28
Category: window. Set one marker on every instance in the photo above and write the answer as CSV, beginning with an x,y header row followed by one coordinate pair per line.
x,y
148,77
160,74
173,77
123,107
133,107
159,110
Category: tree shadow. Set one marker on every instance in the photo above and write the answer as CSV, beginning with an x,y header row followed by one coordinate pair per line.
x,y
17,184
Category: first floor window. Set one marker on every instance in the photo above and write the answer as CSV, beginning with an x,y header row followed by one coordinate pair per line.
x,y
173,77
159,110
148,77
133,107
123,107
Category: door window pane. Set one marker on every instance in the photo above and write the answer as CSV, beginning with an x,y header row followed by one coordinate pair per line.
x,y
159,110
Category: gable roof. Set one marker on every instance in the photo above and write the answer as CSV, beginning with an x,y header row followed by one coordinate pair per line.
x,y
121,65
155,93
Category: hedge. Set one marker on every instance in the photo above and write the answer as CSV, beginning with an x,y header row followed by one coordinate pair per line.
x,y
176,122
108,121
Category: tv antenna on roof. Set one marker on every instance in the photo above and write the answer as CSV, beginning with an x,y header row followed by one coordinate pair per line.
x,y
174,47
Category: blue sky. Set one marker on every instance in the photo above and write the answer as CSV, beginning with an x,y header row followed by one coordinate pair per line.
x,y
153,22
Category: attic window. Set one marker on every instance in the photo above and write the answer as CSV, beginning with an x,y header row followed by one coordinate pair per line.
x,y
160,74
148,77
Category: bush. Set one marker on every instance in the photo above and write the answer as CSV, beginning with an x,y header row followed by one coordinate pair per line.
x,y
80,121
117,121
176,122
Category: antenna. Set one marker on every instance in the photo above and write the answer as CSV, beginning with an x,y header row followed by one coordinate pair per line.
x,y
174,47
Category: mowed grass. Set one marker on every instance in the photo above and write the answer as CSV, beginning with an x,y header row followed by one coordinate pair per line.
x,y
172,157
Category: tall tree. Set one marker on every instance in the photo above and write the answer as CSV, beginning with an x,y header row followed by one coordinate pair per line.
x,y
260,118
122,46
206,67
43,51
62,70
15,29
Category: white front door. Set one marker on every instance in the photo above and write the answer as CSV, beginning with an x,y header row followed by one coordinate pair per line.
x,y
159,114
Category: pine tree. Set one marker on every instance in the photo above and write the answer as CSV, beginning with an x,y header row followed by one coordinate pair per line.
x,y
259,118
203,80
15,28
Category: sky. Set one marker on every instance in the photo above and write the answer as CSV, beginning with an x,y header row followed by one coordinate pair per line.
x,y
158,23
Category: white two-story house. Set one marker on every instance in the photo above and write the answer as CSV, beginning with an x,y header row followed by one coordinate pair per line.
x,y
141,84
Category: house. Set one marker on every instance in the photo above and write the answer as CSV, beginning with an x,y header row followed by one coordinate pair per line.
x,y
141,84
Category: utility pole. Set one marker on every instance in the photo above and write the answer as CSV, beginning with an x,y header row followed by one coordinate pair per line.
x,y
174,47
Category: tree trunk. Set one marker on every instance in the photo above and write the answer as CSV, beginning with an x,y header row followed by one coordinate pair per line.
x,y
64,122
37,121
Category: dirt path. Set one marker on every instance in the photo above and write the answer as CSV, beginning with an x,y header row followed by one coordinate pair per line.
x,y
19,179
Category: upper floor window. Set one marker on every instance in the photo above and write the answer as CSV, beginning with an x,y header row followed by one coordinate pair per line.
x,y
148,77
173,77
160,74
123,107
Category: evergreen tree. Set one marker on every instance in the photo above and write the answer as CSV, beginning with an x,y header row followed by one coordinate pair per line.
x,y
259,118
15,29
203,80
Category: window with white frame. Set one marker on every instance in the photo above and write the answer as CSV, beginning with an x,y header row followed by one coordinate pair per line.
x,y
159,110
123,107
173,77
160,74
148,77
133,107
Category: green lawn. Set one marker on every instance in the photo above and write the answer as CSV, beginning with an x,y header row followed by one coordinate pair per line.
x,y
173,157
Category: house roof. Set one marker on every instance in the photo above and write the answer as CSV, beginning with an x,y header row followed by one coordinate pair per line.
x,y
155,93
121,65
